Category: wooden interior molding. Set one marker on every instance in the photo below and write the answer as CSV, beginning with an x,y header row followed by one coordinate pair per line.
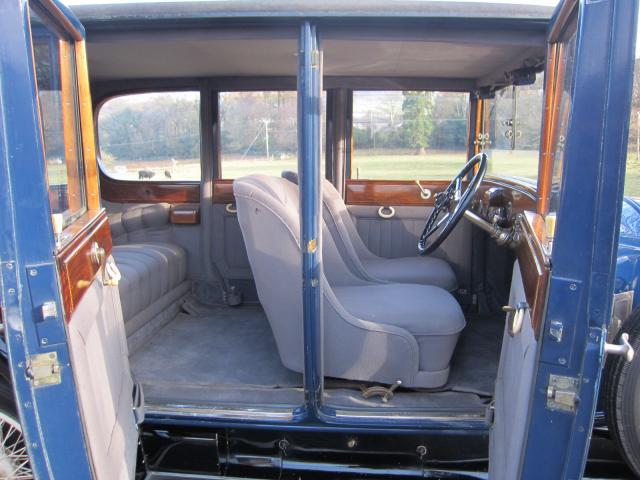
x,y
548,142
77,269
70,128
223,191
124,191
391,192
534,266
185,214
92,187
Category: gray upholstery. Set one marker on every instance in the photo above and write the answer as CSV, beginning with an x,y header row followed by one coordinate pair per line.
x,y
154,279
515,381
364,263
364,337
150,223
101,370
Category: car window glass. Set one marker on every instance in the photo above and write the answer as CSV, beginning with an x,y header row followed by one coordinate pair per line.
x,y
562,115
58,101
408,135
151,136
511,126
258,133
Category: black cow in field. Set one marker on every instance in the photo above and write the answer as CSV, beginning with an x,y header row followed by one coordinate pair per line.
x,y
167,174
142,174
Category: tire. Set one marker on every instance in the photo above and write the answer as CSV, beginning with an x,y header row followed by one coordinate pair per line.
x,y
621,395
14,459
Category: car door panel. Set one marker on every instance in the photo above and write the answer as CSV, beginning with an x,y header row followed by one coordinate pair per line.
x,y
100,360
229,254
513,389
395,233
398,236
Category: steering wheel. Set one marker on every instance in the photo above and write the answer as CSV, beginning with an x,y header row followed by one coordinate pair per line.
x,y
452,202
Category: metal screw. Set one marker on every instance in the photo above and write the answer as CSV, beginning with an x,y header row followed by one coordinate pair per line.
x,y
33,272
11,291
573,287
352,442
562,361
9,266
421,451
44,341
314,282
283,444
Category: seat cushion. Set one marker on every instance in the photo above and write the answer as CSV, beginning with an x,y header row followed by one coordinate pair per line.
x,y
420,270
429,313
149,271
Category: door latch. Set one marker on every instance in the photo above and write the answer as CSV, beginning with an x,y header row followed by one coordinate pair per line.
x,y
562,393
44,369
624,348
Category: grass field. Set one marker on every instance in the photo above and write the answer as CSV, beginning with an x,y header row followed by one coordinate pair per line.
x,y
366,165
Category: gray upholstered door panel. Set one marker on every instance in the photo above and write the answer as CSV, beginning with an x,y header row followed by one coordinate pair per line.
x,y
514,386
100,362
228,250
398,236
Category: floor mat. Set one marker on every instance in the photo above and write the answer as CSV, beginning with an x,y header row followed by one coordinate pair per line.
x,y
474,366
227,346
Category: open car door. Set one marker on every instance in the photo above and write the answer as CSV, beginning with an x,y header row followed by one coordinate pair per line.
x,y
65,336
562,290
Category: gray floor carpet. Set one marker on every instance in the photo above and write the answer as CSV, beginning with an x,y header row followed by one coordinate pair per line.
x,y
474,366
225,355
228,346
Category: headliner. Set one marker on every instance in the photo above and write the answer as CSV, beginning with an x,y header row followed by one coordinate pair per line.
x,y
470,44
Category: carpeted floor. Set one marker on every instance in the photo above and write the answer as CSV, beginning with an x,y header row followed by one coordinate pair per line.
x,y
228,355
474,366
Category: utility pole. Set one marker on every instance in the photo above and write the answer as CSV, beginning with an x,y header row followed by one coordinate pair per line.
x,y
266,122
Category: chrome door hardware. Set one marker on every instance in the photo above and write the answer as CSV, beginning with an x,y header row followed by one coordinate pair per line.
x,y
555,330
425,193
98,255
386,212
44,369
515,317
624,348
562,393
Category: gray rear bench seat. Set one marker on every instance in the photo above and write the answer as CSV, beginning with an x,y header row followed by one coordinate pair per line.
x,y
154,269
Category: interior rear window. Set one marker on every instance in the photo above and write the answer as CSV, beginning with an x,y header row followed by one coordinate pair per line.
x,y
408,135
151,136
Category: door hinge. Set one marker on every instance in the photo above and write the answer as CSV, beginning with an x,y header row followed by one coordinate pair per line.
x,y
562,393
44,369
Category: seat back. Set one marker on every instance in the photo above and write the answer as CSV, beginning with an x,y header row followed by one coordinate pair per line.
x,y
357,349
268,215
340,225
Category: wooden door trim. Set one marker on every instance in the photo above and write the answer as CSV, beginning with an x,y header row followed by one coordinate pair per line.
x,y
535,266
223,191
77,270
391,192
127,191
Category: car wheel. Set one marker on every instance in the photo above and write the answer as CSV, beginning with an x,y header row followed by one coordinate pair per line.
x,y
621,396
14,459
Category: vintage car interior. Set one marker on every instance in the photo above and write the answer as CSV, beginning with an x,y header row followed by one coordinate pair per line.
x,y
428,269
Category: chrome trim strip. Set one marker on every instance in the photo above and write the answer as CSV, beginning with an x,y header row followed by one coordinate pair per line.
x,y
235,413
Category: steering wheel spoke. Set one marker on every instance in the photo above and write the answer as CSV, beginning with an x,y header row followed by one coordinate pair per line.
x,y
454,200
